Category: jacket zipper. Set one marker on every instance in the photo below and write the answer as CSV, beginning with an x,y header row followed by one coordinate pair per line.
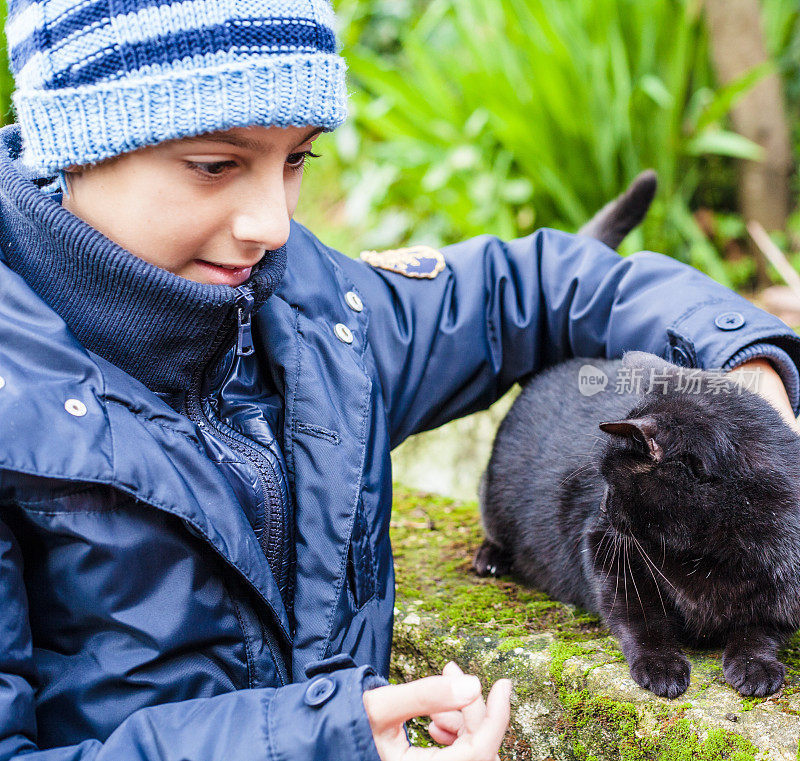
x,y
272,537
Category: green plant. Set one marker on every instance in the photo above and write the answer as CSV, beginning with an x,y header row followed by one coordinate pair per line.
x,y
502,117
782,31
6,80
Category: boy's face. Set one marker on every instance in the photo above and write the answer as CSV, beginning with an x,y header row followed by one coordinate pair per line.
x,y
186,205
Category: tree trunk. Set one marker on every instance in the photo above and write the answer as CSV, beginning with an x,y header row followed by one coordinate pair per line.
x,y
737,45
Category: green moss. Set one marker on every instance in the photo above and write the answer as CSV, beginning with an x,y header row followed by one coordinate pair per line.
x,y
511,643
790,655
596,723
434,541
479,623
561,652
581,753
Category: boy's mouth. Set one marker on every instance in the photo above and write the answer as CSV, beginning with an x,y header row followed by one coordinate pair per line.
x,y
223,274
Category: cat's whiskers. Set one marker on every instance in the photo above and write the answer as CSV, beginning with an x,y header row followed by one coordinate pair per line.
x,y
647,557
616,586
647,562
696,566
613,548
578,543
595,435
576,471
601,439
625,576
599,545
636,587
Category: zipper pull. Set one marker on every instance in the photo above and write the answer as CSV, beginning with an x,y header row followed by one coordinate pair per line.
x,y
244,306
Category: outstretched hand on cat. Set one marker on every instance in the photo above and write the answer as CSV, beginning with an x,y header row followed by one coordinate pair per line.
x,y
770,386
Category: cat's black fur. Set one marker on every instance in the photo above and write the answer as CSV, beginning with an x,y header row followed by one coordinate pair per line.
x,y
678,522
674,514
618,217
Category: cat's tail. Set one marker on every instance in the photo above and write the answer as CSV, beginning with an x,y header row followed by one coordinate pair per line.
x,y
616,219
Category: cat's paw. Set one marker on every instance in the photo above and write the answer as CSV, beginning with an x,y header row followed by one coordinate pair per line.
x,y
754,674
667,675
491,560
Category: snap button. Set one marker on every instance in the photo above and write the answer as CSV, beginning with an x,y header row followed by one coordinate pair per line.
x,y
2,381
343,333
75,407
729,320
354,301
319,691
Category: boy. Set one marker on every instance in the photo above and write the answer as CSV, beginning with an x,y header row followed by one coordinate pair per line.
x,y
199,398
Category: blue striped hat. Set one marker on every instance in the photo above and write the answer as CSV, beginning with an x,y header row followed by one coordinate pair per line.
x,y
96,78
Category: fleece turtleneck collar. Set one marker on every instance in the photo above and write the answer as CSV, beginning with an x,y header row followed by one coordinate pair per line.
x,y
158,327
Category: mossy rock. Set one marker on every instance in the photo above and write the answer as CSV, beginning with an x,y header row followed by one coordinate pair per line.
x,y
573,697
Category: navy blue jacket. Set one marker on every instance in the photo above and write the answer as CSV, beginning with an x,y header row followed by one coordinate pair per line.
x,y
139,617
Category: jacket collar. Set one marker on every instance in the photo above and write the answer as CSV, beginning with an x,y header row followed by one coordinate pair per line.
x,y
158,327
103,426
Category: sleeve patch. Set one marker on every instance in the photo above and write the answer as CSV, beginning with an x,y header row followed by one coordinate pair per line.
x,y
416,261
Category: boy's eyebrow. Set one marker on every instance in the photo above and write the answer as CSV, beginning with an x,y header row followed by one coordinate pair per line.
x,y
244,142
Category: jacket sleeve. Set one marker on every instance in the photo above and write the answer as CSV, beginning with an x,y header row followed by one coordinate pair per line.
x,y
500,310
323,718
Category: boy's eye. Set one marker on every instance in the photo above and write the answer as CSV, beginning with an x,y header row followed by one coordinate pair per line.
x,y
211,168
298,160
208,169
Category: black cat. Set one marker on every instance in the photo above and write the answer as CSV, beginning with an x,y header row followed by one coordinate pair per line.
x,y
679,524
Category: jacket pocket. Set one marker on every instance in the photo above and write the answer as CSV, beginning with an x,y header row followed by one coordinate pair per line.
x,y
360,569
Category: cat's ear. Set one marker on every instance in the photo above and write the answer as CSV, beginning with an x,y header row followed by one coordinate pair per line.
x,y
642,428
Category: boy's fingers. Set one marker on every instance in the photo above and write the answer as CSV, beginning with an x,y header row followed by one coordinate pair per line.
x,y
396,703
498,711
484,743
474,714
450,721
498,704
441,736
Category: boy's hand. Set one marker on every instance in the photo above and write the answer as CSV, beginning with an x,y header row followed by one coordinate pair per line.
x,y
770,386
472,729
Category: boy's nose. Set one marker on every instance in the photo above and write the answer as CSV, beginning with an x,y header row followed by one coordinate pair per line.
x,y
263,220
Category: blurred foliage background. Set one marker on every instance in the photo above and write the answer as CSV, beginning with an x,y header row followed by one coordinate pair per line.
x,y
500,117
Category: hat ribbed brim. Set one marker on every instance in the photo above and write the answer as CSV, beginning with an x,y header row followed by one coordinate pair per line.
x,y
84,125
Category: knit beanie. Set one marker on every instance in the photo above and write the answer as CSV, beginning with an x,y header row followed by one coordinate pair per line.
x,y
96,78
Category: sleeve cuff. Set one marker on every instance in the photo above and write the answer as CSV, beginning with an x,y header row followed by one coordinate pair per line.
x,y
323,717
779,359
